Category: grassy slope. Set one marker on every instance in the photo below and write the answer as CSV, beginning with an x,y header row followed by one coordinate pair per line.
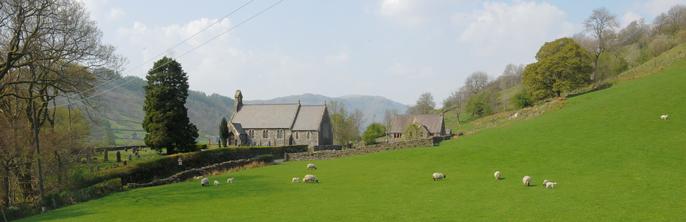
x,y
613,158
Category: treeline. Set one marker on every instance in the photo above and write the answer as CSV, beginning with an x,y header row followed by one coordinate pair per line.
x,y
48,52
584,61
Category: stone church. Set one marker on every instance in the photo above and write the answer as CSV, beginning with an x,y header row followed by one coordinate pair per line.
x,y
279,124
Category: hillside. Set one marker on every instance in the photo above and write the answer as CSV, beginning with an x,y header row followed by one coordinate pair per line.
x,y
613,159
123,107
373,107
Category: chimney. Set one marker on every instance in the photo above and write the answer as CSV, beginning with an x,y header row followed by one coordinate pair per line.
x,y
238,101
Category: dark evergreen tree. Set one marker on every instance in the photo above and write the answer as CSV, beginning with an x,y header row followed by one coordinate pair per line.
x,y
166,117
223,132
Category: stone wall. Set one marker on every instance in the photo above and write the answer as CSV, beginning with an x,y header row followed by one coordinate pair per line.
x,y
188,174
329,154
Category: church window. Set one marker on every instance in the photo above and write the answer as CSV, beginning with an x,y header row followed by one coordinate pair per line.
x,y
279,133
265,133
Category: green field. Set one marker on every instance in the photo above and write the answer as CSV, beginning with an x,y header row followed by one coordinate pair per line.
x,y
613,159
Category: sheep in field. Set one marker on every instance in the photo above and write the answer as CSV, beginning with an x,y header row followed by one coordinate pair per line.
x,y
295,180
664,117
526,181
205,182
545,181
438,176
229,180
216,182
550,185
309,178
311,166
497,175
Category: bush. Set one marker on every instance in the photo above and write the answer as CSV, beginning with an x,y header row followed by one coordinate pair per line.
x,y
375,130
522,99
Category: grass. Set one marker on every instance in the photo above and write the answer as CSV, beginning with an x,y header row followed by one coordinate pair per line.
x,y
613,158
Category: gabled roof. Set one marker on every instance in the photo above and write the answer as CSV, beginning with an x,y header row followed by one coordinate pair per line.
x,y
432,122
266,116
309,117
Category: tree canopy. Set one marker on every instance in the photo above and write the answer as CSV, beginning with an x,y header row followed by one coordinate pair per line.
x,y
562,66
373,131
425,105
166,117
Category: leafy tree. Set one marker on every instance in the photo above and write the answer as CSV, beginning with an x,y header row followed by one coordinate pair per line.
x,y
562,66
425,105
223,132
521,99
374,130
345,125
480,104
166,117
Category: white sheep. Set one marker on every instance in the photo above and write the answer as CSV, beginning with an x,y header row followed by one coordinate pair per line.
x,y
526,181
497,175
205,182
309,178
295,180
664,117
311,166
216,182
230,180
550,184
545,181
438,176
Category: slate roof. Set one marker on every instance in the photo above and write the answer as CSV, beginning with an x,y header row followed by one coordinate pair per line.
x,y
432,122
309,117
266,116
279,116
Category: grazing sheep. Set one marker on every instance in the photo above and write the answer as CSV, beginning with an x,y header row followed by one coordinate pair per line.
x,y
311,166
497,175
216,182
526,181
550,184
438,176
664,117
545,181
309,178
205,182
229,180
295,180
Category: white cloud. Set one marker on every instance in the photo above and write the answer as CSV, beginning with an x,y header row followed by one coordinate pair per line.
x,y
407,12
512,33
629,17
655,7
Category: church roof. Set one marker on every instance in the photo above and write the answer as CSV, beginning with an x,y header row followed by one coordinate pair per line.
x,y
279,116
309,117
433,122
266,116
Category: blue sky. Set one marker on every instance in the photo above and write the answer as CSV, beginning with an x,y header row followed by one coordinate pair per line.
x,y
392,48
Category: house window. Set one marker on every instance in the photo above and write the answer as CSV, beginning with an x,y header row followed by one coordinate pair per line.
x,y
296,135
265,133
279,133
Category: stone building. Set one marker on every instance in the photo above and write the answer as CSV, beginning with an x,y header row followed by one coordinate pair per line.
x,y
279,124
425,126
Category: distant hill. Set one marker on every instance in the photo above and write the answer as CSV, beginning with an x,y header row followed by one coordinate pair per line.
x,y
122,108
120,111
373,107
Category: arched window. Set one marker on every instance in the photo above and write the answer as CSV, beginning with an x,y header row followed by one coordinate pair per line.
x,y
308,134
296,135
265,133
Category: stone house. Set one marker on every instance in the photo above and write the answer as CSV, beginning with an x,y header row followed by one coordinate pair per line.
x,y
279,124
428,125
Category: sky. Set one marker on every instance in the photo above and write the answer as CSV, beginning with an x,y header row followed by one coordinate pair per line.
x,y
397,49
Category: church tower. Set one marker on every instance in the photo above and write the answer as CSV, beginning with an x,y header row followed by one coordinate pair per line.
x,y
238,100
